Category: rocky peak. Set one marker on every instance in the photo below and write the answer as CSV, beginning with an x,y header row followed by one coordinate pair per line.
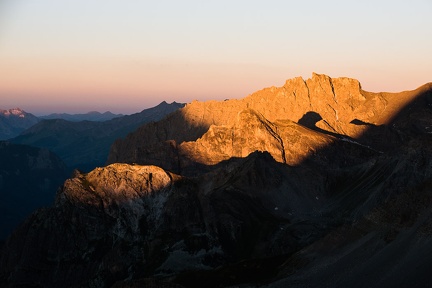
x,y
14,111
115,184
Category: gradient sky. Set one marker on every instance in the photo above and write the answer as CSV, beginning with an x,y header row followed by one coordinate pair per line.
x,y
128,55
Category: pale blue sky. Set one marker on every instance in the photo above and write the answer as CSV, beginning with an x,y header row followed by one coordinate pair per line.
x,y
124,56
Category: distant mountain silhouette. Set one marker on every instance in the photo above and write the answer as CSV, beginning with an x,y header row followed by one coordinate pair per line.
x,y
85,144
90,116
14,121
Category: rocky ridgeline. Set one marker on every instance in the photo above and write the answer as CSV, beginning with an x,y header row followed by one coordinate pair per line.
x,y
207,133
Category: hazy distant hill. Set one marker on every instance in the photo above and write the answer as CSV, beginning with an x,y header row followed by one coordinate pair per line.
x,y
14,121
85,144
90,116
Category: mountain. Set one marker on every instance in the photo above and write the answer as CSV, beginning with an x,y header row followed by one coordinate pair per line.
x,y
316,183
85,144
90,116
14,121
209,132
29,179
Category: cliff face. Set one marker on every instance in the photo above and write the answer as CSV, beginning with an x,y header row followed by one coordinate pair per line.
x,y
209,132
341,195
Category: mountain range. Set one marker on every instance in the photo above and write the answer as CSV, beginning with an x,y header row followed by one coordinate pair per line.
x,y
85,144
314,183
90,116
15,121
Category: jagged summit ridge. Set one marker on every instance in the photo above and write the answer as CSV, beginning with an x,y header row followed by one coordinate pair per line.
x,y
212,131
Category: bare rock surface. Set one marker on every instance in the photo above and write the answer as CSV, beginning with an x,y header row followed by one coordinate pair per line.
x,y
209,132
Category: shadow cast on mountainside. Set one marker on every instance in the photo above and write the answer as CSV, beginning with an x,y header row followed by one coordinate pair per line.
x,y
372,243
310,119
162,148
374,150
364,173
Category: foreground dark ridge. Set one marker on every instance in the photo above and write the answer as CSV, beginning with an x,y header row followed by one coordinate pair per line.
x,y
353,212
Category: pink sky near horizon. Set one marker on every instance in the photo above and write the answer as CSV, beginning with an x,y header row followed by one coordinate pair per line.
x,y
78,56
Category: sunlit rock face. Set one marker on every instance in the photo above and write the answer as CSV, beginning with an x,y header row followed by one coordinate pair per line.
x,y
314,182
209,132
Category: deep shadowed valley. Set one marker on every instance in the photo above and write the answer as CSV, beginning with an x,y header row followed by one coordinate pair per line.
x,y
316,183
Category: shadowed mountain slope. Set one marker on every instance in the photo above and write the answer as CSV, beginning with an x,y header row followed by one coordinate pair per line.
x,y
85,145
339,197
29,179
